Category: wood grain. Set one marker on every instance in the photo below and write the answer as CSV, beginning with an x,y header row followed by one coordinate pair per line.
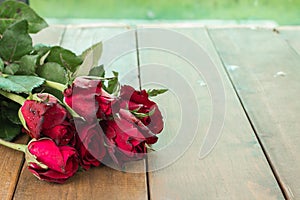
x,y
237,167
97,183
101,182
10,166
265,72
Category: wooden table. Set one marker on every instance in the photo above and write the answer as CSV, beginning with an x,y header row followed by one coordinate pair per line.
x,y
256,156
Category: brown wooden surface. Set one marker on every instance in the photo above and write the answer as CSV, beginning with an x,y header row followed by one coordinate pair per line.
x,y
266,78
236,168
257,153
10,166
97,183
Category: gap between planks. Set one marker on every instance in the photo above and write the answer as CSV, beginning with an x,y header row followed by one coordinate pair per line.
x,y
272,167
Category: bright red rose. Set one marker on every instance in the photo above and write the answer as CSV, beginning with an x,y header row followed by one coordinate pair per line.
x,y
87,98
51,163
126,137
138,101
90,144
48,118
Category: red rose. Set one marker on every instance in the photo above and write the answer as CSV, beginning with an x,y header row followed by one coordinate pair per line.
x,y
107,104
126,137
50,162
89,100
139,102
62,134
90,144
47,118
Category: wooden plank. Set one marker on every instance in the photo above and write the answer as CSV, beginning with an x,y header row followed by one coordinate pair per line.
x,y
265,72
10,166
97,183
237,167
291,35
12,161
101,182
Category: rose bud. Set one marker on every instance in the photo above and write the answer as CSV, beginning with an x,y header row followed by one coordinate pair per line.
x,y
88,99
147,111
47,118
126,138
90,144
50,162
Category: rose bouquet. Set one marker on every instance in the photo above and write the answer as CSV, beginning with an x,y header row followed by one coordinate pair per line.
x,y
74,122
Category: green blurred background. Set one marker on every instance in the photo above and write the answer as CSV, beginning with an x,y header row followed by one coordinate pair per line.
x,y
284,12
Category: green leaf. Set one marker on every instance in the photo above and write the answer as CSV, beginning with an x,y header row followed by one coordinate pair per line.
x,y
64,57
1,65
11,69
90,58
9,122
27,65
8,130
14,11
20,84
53,72
15,42
97,71
113,84
155,92
10,111
142,115
42,51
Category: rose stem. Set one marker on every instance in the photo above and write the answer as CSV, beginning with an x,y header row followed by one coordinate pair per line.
x,y
55,85
18,147
16,98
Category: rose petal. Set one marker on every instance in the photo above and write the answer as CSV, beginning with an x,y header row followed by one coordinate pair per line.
x,y
54,116
48,153
33,113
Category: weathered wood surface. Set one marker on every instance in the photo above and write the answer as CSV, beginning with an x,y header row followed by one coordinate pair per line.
x,y
102,182
257,152
292,36
10,166
265,72
237,167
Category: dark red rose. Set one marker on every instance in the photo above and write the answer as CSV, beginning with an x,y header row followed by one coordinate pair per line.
x,y
62,134
87,98
138,101
47,118
50,162
107,104
90,144
126,137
